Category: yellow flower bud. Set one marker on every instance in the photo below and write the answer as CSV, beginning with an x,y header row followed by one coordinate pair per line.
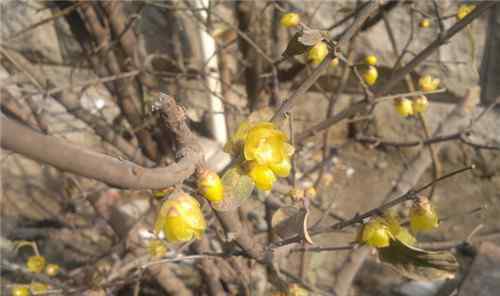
x,y
296,290
317,53
376,234
19,290
311,193
420,104
370,75
371,60
263,176
156,248
403,106
52,269
210,185
464,10
427,83
181,219
290,20
423,217
282,168
38,288
424,23
36,264
334,63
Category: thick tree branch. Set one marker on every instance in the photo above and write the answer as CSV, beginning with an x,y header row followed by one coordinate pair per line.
x,y
123,174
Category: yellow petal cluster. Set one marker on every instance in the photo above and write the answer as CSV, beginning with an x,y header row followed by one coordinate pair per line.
x,y
317,53
290,20
369,75
428,83
423,216
181,219
464,10
404,107
266,152
210,185
36,264
420,104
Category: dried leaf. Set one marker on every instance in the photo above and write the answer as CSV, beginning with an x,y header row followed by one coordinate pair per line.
x,y
419,264
287,221
310,37
295,47
307,237
237,188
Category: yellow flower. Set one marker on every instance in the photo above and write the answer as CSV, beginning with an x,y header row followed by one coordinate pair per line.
x,y
318,53
156,248
36,264
334,63
38,288
403,106
263,176
296,290
52,269
181,219
370,75
210,185
376,234
420,104
405,236
18,290
423,217
427,83
464,10
265,144
235,144
371,60
391,220
424,23
290,20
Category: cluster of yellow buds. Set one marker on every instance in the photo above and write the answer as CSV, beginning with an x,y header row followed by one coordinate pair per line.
x,y
371,60
317,53
380,231
38,264
180,218
266,152
290,20
464,10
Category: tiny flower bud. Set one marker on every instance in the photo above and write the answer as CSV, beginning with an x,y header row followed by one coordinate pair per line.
x,y
464,10
403,106
370,75
318,53
427,83
371,60
52,269
19,290
36,264
296,193
424,23
420,104
334,63
423,217
290,20
210,185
